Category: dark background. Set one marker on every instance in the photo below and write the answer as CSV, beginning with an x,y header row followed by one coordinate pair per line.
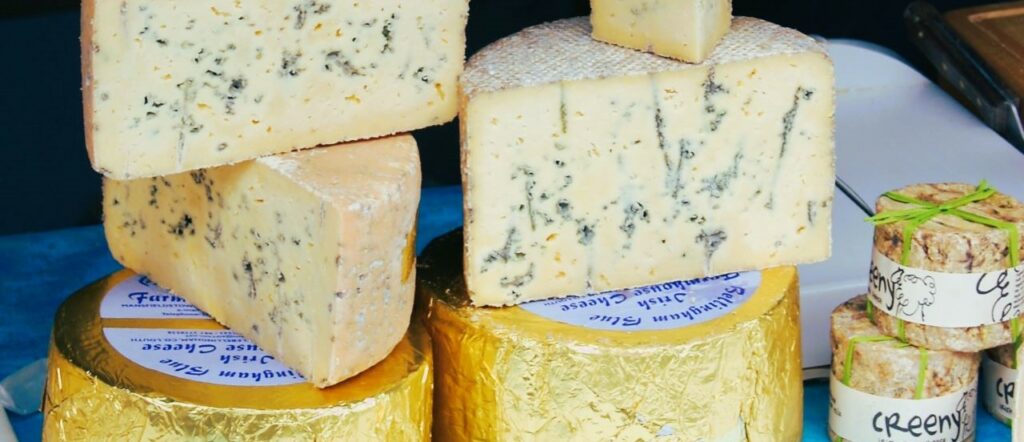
x,y
45,178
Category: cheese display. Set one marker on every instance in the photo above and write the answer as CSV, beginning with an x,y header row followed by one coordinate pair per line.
x,y
686,30
710,359
309,254
883,389
129,361
590,167
176,86
999,381
946,271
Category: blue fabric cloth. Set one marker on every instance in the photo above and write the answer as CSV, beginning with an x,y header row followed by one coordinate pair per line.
x,y
37,271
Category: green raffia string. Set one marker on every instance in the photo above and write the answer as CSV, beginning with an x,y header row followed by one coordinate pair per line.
x,y
922,368
925,211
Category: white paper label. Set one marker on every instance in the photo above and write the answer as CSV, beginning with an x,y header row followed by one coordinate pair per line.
x,y
945,299
139,298
655,307
997,385
862,417
212,356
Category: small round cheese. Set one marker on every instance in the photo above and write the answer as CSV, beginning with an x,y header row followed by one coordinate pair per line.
x,y
890,369
950,244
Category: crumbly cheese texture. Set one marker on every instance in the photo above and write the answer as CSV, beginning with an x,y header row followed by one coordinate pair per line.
x,y
888,370
308,254
176,86
686,30
950,244
590,167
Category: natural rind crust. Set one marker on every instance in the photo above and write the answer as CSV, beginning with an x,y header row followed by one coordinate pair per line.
x,y
963,339
948,243
887,370
88,11
563,50
952,245
1003,354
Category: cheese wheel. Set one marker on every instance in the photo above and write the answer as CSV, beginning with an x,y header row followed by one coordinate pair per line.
x,y
129,361
948,245
1018,406
617,365
883,367
999,382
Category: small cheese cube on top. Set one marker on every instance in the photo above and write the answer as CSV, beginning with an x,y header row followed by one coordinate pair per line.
x,y
686,30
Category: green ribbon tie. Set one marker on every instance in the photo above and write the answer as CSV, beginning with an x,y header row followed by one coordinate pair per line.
x,y
925,211
922,368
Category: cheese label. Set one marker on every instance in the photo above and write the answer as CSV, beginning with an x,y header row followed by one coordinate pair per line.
x,y
945,299
212,356
662,306
139,298
997,384
858,416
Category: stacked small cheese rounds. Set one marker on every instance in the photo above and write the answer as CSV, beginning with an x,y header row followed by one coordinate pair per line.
x,y
945,282
257,164
614,278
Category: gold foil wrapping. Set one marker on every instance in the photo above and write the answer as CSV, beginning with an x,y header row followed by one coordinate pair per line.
x,y
93,392
507,374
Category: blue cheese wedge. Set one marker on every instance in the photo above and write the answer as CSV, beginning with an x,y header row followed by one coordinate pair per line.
x,y
590,167
173,86
686,30
308,254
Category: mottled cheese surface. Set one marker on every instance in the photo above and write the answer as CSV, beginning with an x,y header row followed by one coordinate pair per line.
x,y
686,30
308,254
173,86
614,168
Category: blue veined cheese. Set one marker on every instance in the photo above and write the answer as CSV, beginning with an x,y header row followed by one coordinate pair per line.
x,y
308,254
686,30
590,167
173,86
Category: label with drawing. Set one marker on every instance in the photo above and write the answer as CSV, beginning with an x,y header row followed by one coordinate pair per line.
x,y
997,384
945,299
858,416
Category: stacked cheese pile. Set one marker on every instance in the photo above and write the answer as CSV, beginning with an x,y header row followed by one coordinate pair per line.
x,y
946,284
193,111
651,209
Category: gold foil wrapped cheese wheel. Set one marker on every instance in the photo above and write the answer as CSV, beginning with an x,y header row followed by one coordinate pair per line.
x,y
713,359
129,361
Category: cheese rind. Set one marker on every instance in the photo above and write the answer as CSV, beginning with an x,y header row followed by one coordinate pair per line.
x,y
307,254
949,244
888,370
686,30
615,168
176,86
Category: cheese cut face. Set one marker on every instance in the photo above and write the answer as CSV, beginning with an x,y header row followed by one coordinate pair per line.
x,y
589,167
176,86
686,30
308,254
